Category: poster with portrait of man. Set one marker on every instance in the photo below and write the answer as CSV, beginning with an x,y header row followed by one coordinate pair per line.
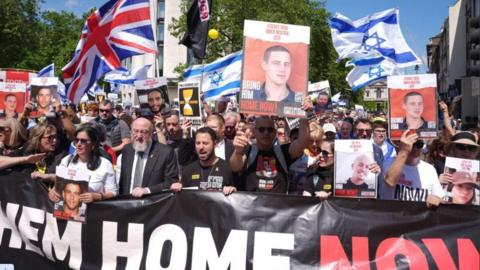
x,y
275,68
43,90
319,93
70,184
152,96
413,105
353,177
12,99
460,181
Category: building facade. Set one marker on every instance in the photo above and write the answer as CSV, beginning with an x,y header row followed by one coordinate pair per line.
x,y
170,53
454,55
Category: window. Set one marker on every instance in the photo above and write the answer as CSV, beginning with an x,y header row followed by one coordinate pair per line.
x,y
160,32
160,60
161,9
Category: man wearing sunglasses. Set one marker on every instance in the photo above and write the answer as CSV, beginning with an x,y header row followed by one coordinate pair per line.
x,y
118,132
408,178
264,166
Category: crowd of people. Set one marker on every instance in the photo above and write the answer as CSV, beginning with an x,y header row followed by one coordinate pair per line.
x,y
126,153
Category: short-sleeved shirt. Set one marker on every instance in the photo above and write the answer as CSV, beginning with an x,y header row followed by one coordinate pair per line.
x,y
266,174
213,177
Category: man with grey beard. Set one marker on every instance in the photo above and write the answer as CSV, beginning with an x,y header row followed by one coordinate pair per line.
x,y
146,166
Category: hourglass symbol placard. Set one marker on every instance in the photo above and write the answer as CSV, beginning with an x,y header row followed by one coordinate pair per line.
x,y
187,96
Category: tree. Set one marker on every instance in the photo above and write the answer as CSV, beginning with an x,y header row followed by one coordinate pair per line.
x,y
228,17
19,24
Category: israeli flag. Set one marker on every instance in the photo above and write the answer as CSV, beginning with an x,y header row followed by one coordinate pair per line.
x,y
219,78
377,32
368,70
125,76
95,88
48,71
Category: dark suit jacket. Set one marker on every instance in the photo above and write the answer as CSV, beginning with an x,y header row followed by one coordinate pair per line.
x,y
160,171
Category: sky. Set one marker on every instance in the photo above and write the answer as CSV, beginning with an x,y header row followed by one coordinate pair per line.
x,y
419,19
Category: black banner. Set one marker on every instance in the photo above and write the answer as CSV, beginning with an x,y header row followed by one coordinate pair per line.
x,y
206,230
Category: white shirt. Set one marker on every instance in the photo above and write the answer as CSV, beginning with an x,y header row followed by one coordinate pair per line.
x,y
101,180
220,149
134,165
415,183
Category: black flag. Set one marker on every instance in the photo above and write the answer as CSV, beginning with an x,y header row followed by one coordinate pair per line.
x,y
197,23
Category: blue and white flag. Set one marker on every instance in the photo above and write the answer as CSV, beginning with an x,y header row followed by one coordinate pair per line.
x,y
379,31
220,78
95,88
48,71
369,70
125,76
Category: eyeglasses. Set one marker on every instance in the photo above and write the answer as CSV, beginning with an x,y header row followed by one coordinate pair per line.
x,y
104,111
81,141
463,147
50,138
263,129
418,144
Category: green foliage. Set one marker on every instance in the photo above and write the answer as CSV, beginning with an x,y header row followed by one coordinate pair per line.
x,y
30,39
228,17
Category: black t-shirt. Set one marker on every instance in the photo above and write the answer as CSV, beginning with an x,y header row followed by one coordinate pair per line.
x,y
351,185
266,174
319,179
214,177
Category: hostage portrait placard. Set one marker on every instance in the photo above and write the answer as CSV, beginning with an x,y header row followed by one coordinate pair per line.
x,y
189,99
70,184
12,99
152,94
275,68
352,174
460,181
43,91
413,105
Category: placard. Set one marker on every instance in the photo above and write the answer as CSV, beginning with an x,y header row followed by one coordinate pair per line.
x,y
352,175
146,93
413,105
43,91
12,98
463,186
70,184
100,96
189,99
275,68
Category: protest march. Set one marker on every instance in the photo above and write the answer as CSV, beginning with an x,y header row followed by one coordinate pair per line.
x,y
246,163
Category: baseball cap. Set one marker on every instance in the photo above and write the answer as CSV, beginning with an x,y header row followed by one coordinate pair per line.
x,y
465,137
329,127
459,177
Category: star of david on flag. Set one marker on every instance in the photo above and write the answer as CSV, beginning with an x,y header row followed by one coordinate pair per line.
x,y
368,70
220,78
117,30
378,32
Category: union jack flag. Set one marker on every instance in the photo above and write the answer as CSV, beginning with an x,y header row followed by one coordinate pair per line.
x,y
117,30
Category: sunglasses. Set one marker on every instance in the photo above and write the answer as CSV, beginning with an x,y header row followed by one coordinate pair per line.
x,y
418,144
361,130
263,129
81,141
5,129
51,137
325,153
463,147
104,111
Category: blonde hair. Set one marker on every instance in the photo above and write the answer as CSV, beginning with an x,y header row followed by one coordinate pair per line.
x,y
18,134
36,134
316,131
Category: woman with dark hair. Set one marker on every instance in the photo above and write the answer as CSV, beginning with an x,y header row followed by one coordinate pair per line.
x,y
102,184
319,181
